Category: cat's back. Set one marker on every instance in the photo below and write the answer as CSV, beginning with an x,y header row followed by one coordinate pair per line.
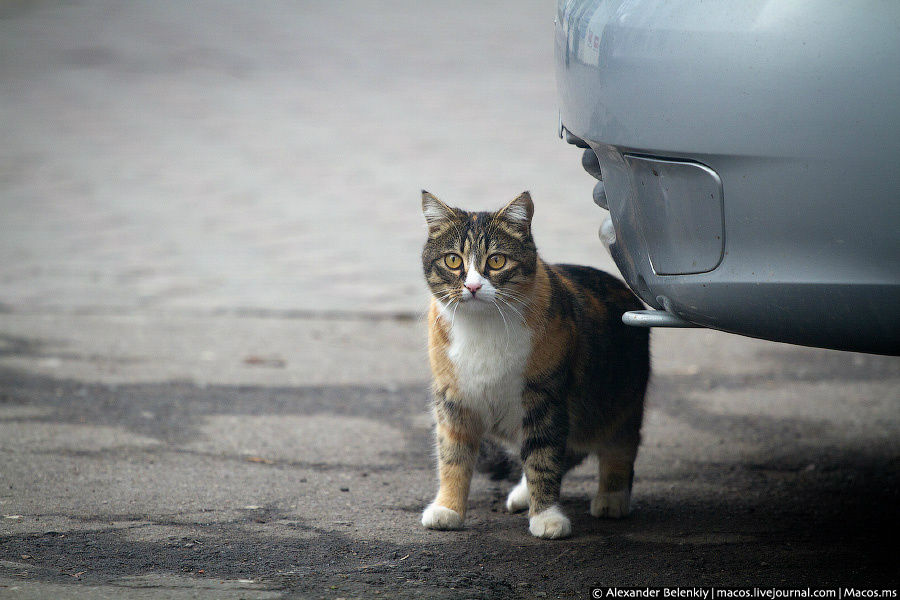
x,y
595,288
601,300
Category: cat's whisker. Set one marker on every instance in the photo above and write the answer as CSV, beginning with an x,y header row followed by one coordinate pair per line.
x,y
505,324
453,302
514,295
516,305
453,316
522,320
512,300
517,308
512,308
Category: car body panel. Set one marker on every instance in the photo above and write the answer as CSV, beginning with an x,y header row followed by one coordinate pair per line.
x,y
795,108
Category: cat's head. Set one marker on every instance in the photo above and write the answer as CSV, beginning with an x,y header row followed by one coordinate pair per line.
x,y
475,261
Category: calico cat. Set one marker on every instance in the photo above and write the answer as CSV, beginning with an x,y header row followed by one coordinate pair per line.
x,y
532,354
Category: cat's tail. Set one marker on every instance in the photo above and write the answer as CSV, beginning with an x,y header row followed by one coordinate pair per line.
x,y
497,463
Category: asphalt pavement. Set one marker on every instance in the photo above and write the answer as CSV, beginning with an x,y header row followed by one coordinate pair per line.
x,y
212,371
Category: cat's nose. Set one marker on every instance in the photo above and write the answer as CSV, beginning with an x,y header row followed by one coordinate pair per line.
x,y
473,287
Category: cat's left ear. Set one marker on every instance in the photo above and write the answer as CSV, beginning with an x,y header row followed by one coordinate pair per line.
x,y
437,214
519,211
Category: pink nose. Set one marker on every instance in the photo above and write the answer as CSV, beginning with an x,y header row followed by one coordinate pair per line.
x,y
473,287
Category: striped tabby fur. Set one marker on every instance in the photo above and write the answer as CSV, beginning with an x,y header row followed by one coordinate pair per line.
x,y
536,357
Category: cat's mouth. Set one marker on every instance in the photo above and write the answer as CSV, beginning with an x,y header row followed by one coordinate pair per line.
x,y
474,301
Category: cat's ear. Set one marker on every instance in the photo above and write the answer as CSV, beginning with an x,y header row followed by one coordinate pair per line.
x,y
519,211
437,214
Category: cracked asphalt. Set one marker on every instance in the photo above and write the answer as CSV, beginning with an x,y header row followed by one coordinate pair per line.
x,y
212,370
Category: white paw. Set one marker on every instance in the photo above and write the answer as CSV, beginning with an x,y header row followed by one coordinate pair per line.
x,y
519,497
612,505
441,517
550,524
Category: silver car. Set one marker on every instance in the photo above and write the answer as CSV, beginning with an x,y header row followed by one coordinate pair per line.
x,y
749,156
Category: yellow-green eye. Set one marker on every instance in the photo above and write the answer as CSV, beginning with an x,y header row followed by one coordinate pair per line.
x,y
453,261
496,261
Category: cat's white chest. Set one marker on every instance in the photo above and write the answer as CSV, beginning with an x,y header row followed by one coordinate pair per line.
x,y
489,356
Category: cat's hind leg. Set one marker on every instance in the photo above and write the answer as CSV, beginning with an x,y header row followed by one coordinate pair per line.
x,y
613,499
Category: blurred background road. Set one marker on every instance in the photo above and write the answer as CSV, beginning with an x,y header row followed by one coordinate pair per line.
x,y
225,155
212,371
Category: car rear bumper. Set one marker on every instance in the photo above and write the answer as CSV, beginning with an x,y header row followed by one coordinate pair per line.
x,y
750,159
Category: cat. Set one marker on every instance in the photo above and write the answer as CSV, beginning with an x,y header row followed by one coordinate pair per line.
x,y
533,355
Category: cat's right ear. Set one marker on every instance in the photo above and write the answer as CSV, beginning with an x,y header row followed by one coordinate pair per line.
x,y
438,215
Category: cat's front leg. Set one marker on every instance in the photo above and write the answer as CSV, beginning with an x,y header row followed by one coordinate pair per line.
x,y
458,437
544,460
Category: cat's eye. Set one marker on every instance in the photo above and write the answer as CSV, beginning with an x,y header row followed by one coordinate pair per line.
x,y
496,261
453,261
